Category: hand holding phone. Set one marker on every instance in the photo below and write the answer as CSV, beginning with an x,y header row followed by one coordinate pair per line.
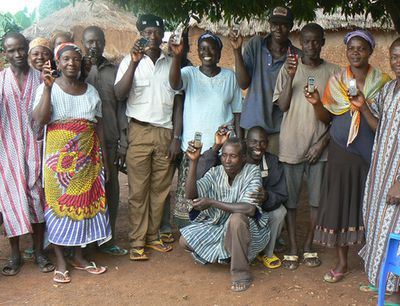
x,y
353,87
310,84
197,140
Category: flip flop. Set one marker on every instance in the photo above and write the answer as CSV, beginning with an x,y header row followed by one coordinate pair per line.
x,y
60,277
158,245
114,250
368,288
138,254
268,261
167,237
290,262
240,285
92,269
13,266
334,277
45,265
311,259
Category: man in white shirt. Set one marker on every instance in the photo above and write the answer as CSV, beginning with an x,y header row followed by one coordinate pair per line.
x,y
154,133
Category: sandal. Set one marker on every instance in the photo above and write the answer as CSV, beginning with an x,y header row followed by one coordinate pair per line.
x,y
270,262
45,265
60,277
368,288
13,266
241,285
158,245
29,254
167,237
334,277
290,262
114,250
311,260
92,269
138,254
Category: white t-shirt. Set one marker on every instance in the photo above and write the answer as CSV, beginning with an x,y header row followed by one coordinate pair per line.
x,y
151,98
66,106
209,103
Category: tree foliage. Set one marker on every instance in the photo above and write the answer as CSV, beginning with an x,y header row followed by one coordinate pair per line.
x,y
227,10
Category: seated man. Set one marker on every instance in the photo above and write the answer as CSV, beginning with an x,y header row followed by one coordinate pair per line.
x,y
274,192
226,222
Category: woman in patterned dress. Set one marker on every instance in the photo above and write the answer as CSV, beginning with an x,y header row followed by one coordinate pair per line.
x,y
75,211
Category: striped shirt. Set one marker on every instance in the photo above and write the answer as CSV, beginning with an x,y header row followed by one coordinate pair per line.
x,y
66,106
207,232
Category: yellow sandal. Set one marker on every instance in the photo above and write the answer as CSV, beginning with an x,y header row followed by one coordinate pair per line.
x,y
268,262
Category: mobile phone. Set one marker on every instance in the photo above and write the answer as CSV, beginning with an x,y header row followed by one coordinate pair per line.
x,y
311,84
93,55
231,131
178,34
353,87
143,42
236,29
54,72
292,52
197,140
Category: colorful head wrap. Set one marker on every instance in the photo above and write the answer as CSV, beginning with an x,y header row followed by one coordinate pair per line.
x,y
211,36
60,49
39,41
367,36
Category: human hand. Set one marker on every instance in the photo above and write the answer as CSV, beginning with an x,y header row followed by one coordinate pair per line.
x,y
291,64
314,98
119,160
177,50
192,152
48,79
201,203
259,196
235,40
393,196
174,149
314,152
221,135
358,101
137,52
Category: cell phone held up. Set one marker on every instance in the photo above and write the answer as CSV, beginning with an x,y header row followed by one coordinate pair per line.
x,y
54,71
143,42
353,88
236,29
178,34
197,140
310,84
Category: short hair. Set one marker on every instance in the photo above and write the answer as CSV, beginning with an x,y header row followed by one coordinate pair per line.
x,y
56,34
395,43
236,142
94,29
313,27
257,129
16,35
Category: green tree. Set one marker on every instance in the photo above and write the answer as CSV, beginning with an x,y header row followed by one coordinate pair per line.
x,y
48,7
304,10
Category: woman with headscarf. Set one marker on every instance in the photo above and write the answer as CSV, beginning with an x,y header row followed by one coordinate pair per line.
x,y
39,52
353,125
74,178
212,99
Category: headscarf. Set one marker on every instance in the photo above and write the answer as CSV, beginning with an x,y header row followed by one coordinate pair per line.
x,y
60,49
336,101
212,36
39,42
367,36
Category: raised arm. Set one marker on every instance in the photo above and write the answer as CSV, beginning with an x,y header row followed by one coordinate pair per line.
x,y
287,74
359,102
175,79
124,85
42,112
242,75
191,187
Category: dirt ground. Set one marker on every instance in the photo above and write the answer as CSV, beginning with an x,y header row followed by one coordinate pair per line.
x,y
174,279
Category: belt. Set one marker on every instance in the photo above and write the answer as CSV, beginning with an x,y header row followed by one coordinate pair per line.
x,y
140,122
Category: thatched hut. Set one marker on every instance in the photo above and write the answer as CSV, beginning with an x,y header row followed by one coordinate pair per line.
x,y
336,26
119,26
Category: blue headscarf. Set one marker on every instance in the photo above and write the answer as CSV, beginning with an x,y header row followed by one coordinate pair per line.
x,y
212,36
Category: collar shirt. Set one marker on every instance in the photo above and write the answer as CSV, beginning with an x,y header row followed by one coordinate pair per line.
x,y
151,98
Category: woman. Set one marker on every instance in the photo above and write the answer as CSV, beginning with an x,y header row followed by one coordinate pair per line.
x,y
381,207
212,99
39,52
75,211
59,37
353,125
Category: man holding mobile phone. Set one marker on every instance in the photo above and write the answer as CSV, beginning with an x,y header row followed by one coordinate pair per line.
x,y
102,75
154,135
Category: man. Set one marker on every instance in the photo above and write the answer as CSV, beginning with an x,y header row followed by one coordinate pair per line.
x,y
273,194
226,223
154,134
102,76
21,196
257,70
303,138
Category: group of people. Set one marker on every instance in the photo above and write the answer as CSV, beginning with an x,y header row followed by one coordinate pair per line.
x,y
67,131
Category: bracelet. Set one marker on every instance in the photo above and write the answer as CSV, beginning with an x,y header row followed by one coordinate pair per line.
x,y
177,137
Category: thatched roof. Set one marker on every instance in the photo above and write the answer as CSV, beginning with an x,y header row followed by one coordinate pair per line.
x,y
84,13
332,22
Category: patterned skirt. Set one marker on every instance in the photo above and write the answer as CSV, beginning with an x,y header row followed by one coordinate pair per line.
x,y
75,212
